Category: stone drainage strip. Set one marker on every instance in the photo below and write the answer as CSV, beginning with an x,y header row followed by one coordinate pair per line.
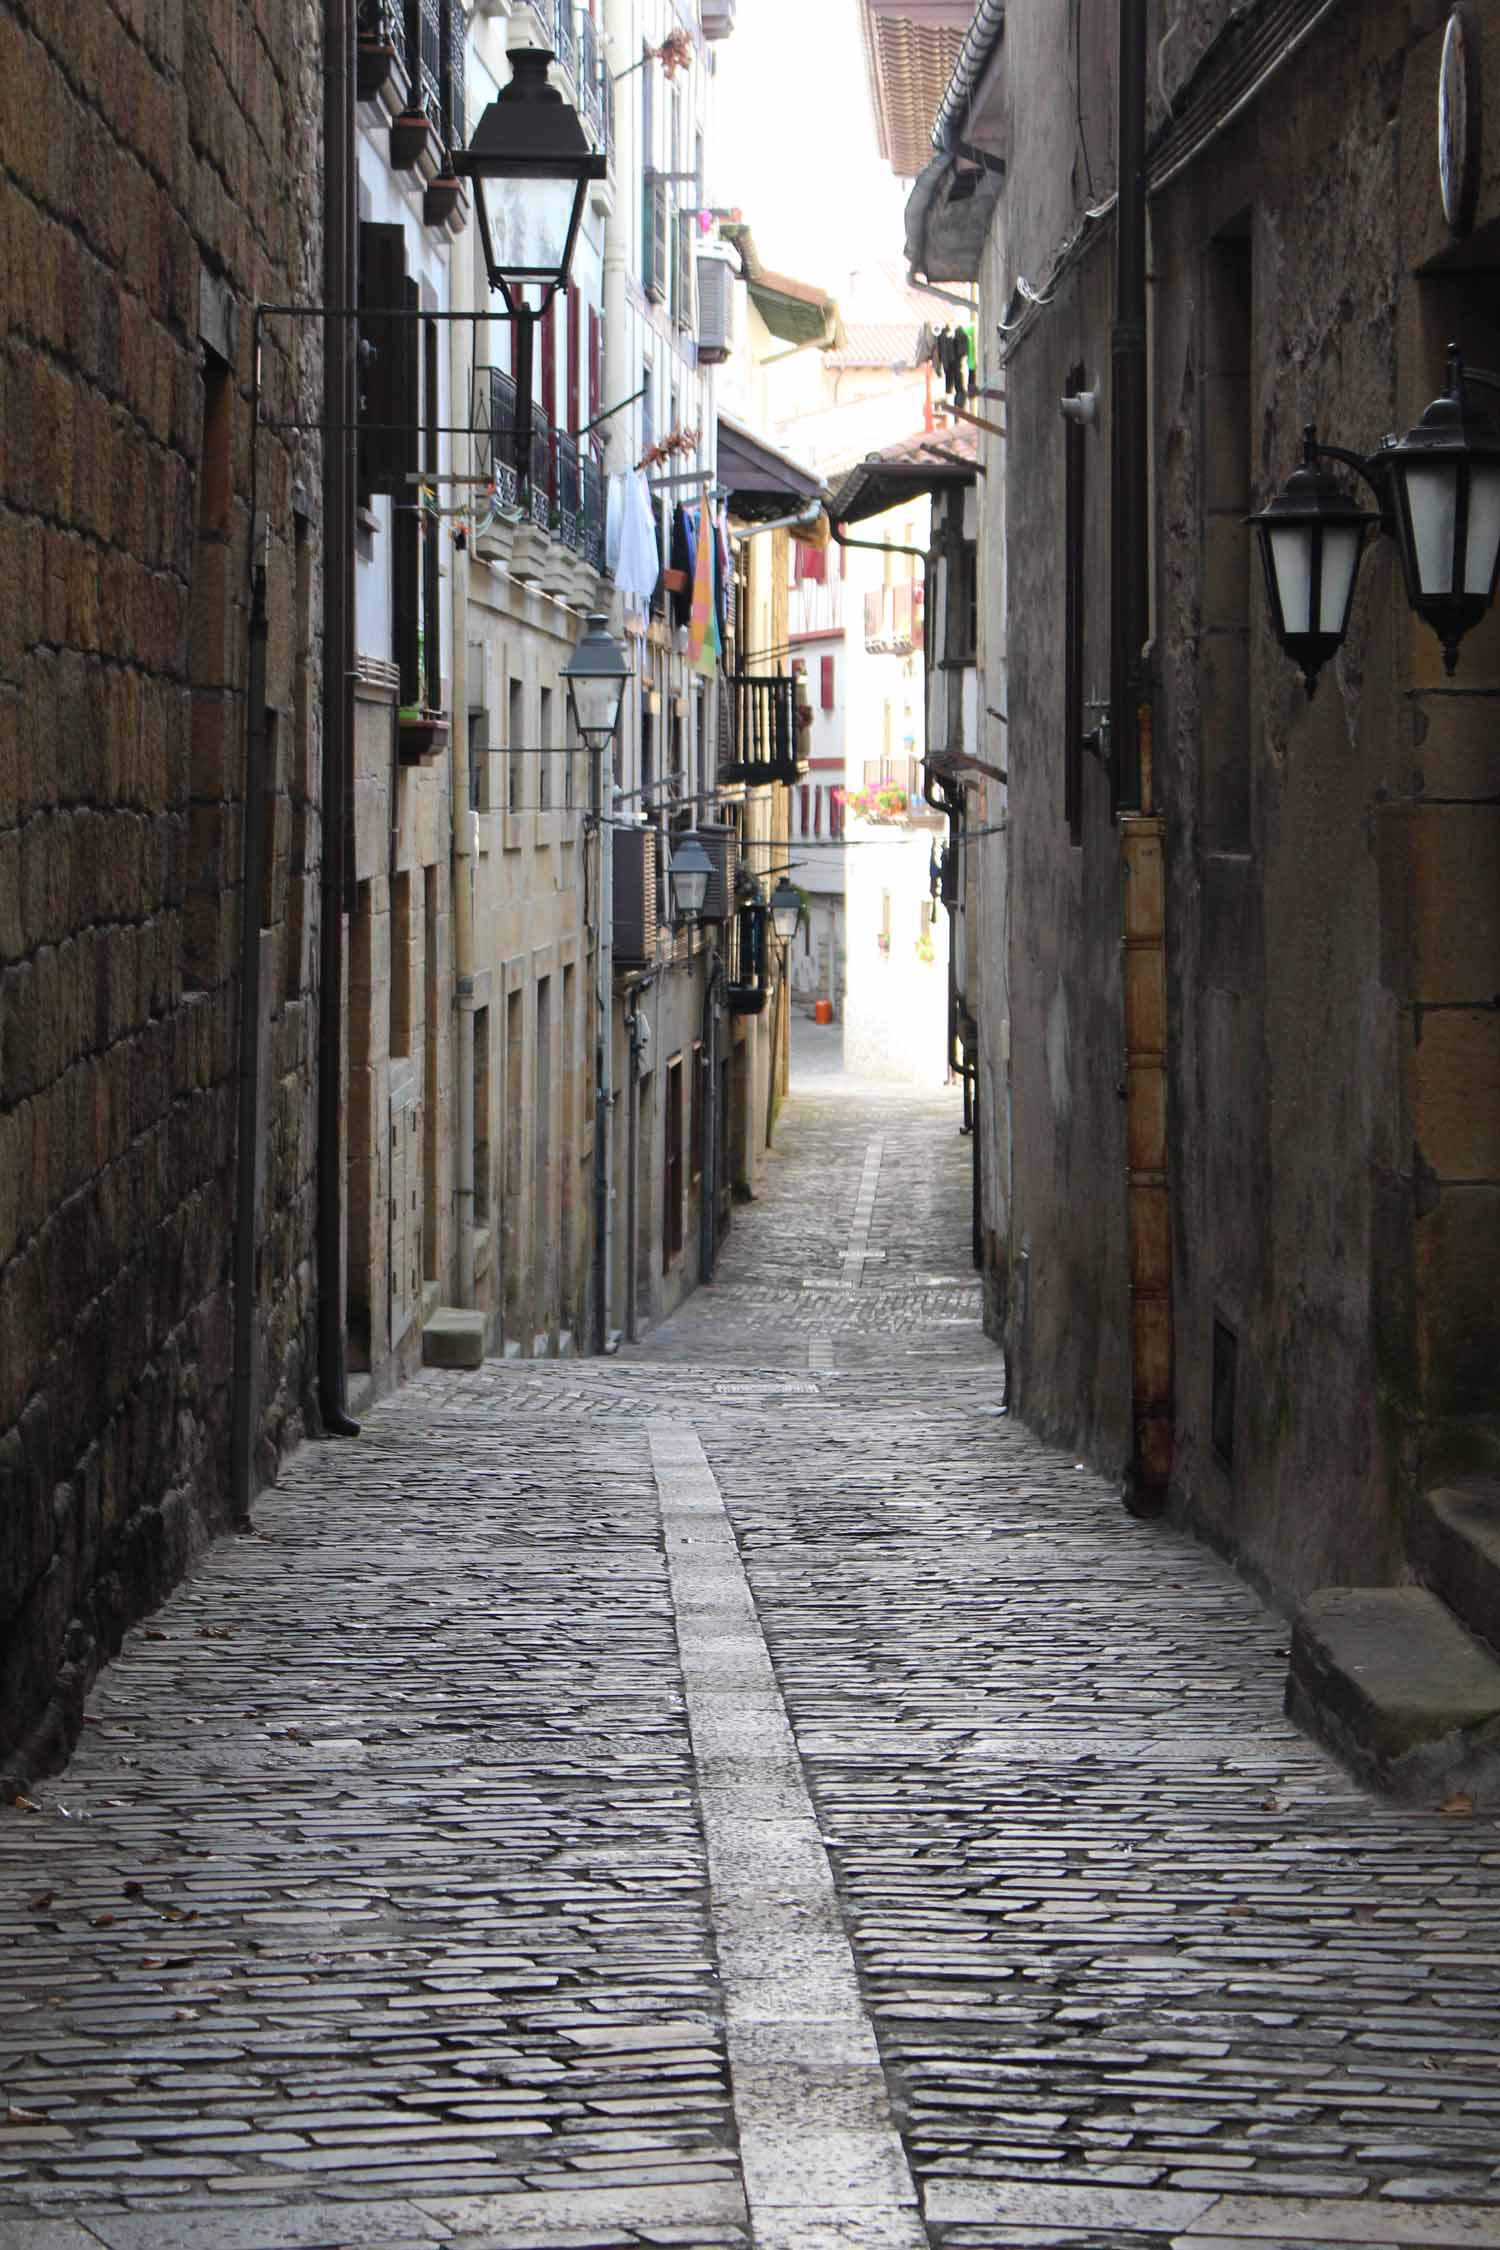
x,y
820,2154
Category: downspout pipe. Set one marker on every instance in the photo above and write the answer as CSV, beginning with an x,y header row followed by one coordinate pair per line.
x,y
708,1110
602,785
248,1153
340,403
1130,559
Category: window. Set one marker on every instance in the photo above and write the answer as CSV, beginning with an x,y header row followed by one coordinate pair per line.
x,y
961,634
516,739
481,1117
544,759
835,814
400,1031
827,683
1228,453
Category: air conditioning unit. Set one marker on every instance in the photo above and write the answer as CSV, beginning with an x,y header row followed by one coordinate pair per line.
x,y
717,18
721,846
715,306
635,923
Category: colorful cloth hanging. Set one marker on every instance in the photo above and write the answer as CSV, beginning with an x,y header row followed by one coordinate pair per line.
x,y
703,627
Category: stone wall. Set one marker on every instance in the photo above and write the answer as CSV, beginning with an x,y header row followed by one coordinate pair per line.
x,y
162,169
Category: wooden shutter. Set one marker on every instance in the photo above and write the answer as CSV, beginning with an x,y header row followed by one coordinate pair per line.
x,y
406,532
827,683
427,526
549,360
575,361
387,391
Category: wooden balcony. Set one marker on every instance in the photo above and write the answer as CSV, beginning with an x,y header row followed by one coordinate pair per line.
x,y
764,745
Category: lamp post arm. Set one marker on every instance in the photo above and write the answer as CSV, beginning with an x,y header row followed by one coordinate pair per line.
x,y
1367,467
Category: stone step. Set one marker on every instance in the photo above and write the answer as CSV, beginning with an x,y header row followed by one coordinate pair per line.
x,y
452,1336
1394,1684
1457,1549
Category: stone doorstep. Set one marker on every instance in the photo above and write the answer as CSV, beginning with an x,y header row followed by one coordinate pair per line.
x,y
453,1336
1393,1683
1457,1538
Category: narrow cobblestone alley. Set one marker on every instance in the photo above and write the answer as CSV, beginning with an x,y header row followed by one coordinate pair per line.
x,y
745,1792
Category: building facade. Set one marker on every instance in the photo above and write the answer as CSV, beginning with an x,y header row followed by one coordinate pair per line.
x,y
158,919
1247,1036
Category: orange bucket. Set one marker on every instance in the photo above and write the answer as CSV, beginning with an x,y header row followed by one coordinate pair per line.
x,y
822,1011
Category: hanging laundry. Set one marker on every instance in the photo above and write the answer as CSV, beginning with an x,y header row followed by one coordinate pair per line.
x,y
681,559
639,563
703,629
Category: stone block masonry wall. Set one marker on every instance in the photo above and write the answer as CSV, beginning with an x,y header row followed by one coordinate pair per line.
x,y
159,174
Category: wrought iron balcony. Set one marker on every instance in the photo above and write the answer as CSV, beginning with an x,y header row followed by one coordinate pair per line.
x,y
542,479
590,75
382,24
591,515
763,743
561,489
565,44
567,487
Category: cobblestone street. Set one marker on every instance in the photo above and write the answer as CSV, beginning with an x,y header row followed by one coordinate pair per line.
x,y
745,1792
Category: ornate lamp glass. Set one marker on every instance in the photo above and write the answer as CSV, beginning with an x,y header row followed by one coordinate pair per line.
x,y
531,163
1444,480
786,910
597,674
1311,539
690,875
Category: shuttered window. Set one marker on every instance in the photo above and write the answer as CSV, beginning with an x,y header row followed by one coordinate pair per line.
x,y
827,683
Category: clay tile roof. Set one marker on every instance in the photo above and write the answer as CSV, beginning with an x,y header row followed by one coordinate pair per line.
x,y
875,344
911,49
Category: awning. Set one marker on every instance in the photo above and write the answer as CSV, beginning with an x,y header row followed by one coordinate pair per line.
x,y
906,471
798,312
762,483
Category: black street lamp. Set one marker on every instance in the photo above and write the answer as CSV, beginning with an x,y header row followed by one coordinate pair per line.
x,y
1311,539
786,910
597,674
690,874
531,163
1444,480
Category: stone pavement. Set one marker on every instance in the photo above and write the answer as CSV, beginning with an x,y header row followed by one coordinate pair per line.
x,y
745,1792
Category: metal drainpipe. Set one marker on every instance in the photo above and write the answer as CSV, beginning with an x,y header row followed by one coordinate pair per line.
x,y
464,822
247,1131
1148,1180
602,788
340,402
708,1157
632,1158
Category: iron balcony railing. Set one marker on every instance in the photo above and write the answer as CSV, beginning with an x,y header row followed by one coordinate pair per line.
x,y
566,42
542,480
382,23
567,488
562,489
425,41
591,514
590,73
763,743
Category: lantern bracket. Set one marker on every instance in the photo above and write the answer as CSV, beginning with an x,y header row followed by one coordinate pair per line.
x,y
1366,466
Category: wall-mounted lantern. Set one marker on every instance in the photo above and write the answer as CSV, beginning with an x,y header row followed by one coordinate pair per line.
x,y
1438,490
690,874
597,674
